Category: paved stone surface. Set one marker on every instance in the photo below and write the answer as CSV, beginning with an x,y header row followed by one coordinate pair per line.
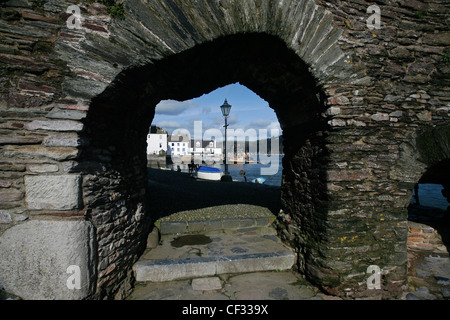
x,y
182,222
206,284
219,247
284,285
197,255
429,276
268,286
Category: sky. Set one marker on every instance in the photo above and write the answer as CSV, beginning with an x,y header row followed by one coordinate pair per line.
x,y
248,111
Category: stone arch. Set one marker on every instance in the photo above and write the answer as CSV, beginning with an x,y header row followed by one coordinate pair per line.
x,y
424,157
116,126
432,159
428,164
311,56
62,177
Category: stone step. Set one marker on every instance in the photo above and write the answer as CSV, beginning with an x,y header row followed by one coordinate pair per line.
x,y
201,255
173,227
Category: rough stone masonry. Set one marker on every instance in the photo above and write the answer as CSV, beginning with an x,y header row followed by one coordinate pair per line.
x,y
364,113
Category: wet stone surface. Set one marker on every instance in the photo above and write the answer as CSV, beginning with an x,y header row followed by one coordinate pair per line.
x,y
188,240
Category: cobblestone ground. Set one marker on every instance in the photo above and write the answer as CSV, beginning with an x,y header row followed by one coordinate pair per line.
x,y
284,285
428,276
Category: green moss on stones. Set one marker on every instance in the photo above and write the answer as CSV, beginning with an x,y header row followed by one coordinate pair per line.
x,y
220,212
115,8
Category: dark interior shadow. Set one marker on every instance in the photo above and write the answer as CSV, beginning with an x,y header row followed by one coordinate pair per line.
x,y
172,192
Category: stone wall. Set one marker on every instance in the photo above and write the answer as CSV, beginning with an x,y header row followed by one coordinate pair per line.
x,y
424,238
355,106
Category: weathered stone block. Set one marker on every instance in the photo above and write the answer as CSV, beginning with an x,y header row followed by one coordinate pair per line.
x,y
66,114
340,100
348,175
19,140
380,117
36,256
38,152
43,168
213,224
5,217
63,141
83,88
420,68
53,192
333,111
173,227
153,239
337,123
424,116
10,195
55,125
247,222
196,226
206,284
441,38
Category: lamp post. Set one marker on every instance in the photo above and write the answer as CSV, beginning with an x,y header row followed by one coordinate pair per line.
x,y
225,108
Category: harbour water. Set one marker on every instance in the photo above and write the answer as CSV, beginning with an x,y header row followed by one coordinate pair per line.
x,y
430,195
252,170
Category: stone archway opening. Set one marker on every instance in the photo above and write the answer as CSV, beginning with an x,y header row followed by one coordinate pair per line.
x,y
432,190
429,203
429,209
194,135
115,177
428,242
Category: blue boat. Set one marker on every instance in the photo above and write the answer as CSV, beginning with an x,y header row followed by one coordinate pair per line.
x,y
209,173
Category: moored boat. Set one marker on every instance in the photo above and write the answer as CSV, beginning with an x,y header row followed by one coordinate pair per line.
x,y
209,173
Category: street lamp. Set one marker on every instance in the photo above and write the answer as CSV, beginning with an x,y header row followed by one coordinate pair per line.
x,y
225,108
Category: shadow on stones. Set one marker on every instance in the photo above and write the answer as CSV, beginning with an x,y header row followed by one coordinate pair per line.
x,y
190,240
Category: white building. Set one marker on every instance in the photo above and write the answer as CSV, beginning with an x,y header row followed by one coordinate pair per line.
x,y
178,145
157,141
207,151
